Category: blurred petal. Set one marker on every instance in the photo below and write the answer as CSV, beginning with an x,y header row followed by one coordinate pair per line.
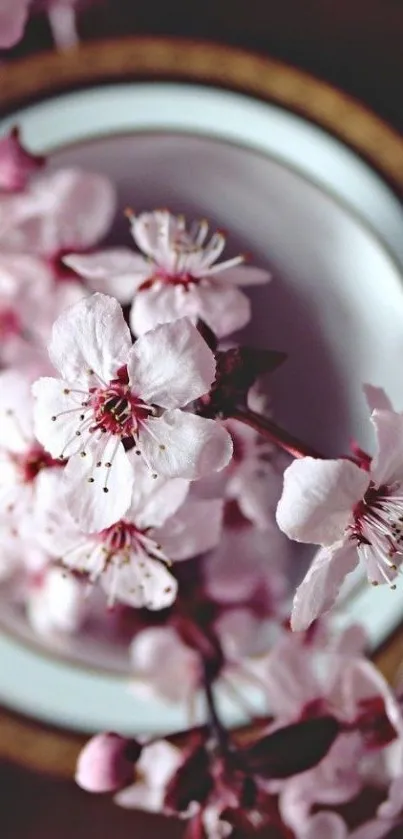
x,y
193,530
116,271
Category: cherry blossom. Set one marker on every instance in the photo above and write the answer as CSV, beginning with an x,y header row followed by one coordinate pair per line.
x,y
355,514
22,458
304,680
177,275
165,664
131,557
27,285
112,392
57,211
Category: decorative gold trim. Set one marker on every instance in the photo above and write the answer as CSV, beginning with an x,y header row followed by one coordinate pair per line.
x,y
214,64
24,741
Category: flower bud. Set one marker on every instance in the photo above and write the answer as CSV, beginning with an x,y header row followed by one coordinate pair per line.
x,y
105,764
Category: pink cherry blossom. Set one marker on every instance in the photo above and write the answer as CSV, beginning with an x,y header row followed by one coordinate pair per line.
x,y
112,392
164,665
303,680
17,165
131,556
22,458
13,16
56,602
58,211
27,285
177,275
354,514
105,764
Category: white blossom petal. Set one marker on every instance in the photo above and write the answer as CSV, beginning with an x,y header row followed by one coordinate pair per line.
x,y
56,398
387,465
224,308
16,402
318,499
172,365
99,495
142,583
321,585
179,444
193,530
377,398
325,826
90,336
154,500
66,209
158,303
243,275
116,271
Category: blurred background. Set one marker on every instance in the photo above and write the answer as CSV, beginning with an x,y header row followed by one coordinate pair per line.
x,y
353,44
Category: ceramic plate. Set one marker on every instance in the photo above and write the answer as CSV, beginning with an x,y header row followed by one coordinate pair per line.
x,y
330,229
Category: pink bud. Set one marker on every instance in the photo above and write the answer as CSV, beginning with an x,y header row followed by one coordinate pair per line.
x,y
16,164
105,764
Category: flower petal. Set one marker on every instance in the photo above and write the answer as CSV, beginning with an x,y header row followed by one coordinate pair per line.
x,y
158,303
377,398
13,15
144,583
98,496
387,465
329,825
243,275
179,444
172,365
162,665
322,583
158,763
318,499
224,308
193,530
90,336
116,271
154,500
71,210
56,398
16,425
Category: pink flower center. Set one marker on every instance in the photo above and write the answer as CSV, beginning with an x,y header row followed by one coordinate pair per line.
x,y
10,323
124,537
378,527
116,410
32,462
184,280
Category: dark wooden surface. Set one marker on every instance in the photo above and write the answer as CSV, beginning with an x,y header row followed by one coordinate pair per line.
x,y
355,44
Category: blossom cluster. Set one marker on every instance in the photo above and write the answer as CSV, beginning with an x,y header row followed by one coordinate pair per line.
x,y
143,475
327,764
112,469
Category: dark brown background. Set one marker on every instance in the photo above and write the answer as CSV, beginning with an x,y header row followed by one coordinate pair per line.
x,y
355,44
